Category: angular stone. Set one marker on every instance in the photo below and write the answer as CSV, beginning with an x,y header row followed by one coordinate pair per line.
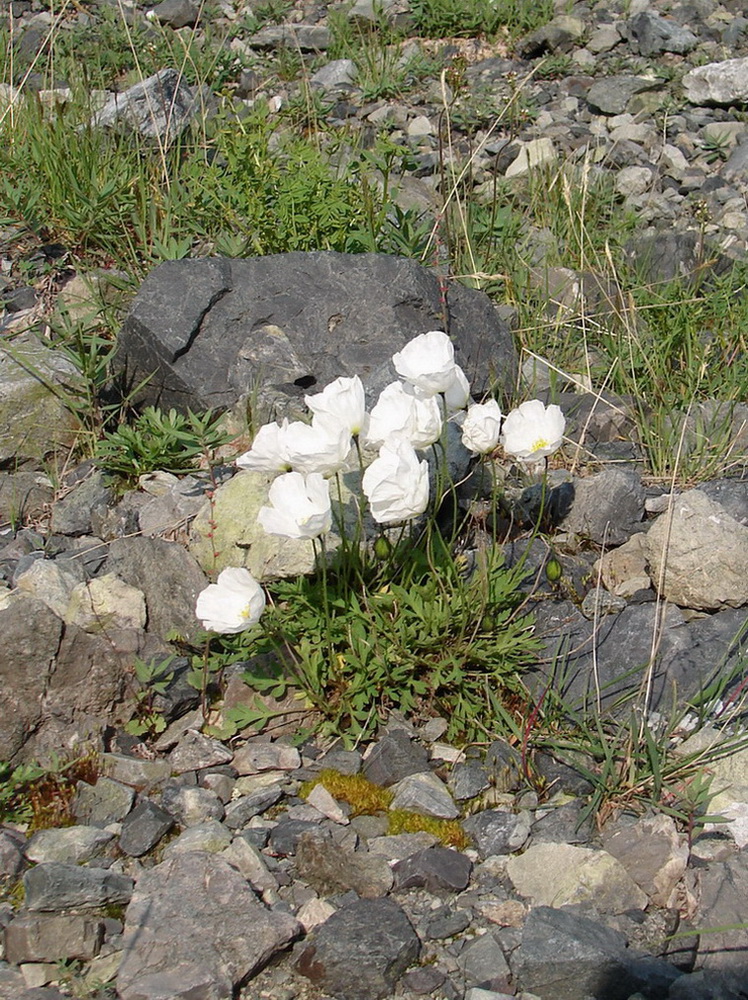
x,y
186,932
196,752
424,793
135,771
704,551
284,838
723,82
71,515
103,803
654,855
143,828
255,757
241,810
497,831
32,937
323,802
159,107
191,805
210,837
655,34
393,758
265,321
562,874
50,581
71,844
106,602
167,575
328,868
612,94
372,937
607,507
436,868
248,860
34,420
468,780
399,846
55,886
483,960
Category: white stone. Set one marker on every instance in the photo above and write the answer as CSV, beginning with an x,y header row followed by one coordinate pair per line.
x,y
562,875
52,582
533,154
106,602
723,82
321,799
313,913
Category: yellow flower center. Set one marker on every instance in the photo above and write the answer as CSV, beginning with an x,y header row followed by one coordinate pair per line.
x,y
541,443
246,611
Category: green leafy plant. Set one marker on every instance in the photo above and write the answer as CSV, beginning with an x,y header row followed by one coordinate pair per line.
x,y
41,795
417,637
153,678
159,439
467,18
716,147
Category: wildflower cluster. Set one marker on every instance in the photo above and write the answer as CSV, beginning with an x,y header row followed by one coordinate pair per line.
x,y
409,416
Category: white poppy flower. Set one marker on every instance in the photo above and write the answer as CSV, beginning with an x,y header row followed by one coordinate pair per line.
x,y
480,429
316,448
427,362
400,412
235,602
533,431
340,404
396,484
268,451
299,506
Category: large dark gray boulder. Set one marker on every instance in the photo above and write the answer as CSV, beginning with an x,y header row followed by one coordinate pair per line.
x,y
207,331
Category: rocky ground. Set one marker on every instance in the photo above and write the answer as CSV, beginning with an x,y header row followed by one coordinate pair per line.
x,y
201,868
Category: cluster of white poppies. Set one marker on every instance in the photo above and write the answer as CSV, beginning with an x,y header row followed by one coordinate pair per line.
x,y
408,416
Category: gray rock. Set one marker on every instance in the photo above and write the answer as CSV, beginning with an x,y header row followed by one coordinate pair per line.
x,y
723,82
372,937
51,581
558,35
467,780
732,494
436,868
190,806
284,838
607,507
34,420
660,256
497,831
168,576
687,658
724,903
241,810
446,923
327,867
177,13
56,886
568,957
186,932
160,107
611,94
257,756
31,639
265,322
71,844
143,828
655,34
12,861
194,752
304,37
698,554
209,837
34,937
424,793
653,854
23,495
103,803
393,758
334,75
564,875
483,960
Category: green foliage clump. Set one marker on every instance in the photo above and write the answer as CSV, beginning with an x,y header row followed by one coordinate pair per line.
x,y
159,439
363,796
413,635
449,831
41,796
468,18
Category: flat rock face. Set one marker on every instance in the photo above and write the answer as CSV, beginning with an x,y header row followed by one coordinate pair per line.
x,y
194,928
361,951
210,330
705,551
723,82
